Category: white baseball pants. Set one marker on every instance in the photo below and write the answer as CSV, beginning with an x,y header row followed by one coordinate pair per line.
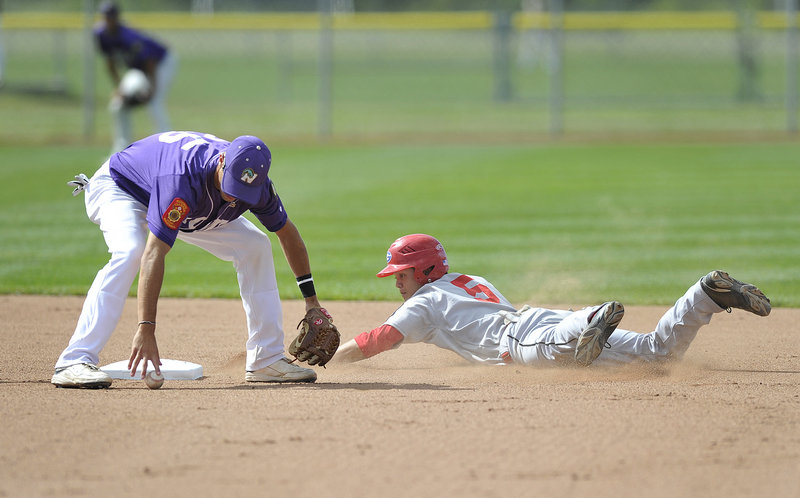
x,y
542,336
122,220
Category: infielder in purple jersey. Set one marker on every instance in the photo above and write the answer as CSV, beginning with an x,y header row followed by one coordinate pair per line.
x,y
469,316
126,47
194,187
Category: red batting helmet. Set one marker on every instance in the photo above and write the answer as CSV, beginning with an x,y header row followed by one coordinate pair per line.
x,y
419,251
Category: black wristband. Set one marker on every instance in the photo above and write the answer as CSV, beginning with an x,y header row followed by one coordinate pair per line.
x,y
306,284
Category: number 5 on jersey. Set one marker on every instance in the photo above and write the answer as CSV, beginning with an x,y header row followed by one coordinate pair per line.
x,y
473,288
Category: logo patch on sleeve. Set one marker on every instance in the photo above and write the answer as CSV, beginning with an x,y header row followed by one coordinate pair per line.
x,y
177,211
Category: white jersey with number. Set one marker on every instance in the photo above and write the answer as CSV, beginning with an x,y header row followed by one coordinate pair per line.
x,y
457,312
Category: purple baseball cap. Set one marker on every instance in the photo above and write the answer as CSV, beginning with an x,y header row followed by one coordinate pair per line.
x,y
109,8
247,161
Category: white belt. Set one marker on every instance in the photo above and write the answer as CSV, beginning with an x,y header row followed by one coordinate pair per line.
x,y
509,317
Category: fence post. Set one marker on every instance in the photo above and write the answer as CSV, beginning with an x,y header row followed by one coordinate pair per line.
x,y
325,118
501,56
556,63
60,61
791,66
747,44
283,39
88,70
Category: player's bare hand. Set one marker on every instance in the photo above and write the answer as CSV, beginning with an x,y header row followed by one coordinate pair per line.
x,y
143,349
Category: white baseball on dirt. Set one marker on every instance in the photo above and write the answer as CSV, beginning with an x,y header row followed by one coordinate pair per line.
x,y
154,380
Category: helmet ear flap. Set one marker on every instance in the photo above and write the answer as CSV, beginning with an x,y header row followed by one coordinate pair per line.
x,y
427,271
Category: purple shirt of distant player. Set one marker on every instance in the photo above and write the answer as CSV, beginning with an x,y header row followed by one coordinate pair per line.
x,y
172,174
132,47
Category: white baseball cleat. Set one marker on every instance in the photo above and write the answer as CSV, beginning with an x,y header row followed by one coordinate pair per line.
x,y
594,336
81,375
281,371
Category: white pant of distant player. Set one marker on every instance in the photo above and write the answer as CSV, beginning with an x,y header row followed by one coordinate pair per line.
x,y
121,114
122,220
542,336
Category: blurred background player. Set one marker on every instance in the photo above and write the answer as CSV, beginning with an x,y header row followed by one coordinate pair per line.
x,y
194,187
468,315
124,47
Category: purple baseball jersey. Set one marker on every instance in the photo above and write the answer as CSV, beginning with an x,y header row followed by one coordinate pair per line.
x,y
132,47
172,174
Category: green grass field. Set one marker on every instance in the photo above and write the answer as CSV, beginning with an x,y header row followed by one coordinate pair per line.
x,y
574,222
546,223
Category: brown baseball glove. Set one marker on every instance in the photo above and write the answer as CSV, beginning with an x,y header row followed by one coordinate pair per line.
x,y
318,340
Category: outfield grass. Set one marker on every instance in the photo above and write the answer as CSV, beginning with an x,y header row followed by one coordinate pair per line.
x,y
420,84
547,224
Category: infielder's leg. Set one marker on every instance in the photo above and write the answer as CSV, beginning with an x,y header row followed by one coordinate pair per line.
x,y
122,220
158,104
242,243
672,336
122,134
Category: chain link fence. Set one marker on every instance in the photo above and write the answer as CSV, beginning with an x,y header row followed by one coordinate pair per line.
x,y
461,76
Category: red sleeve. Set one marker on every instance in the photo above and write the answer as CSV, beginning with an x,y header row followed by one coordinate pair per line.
x,y
378,340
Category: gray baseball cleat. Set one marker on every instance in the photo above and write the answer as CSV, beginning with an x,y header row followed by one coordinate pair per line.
x,y
594,336
81,375
729,293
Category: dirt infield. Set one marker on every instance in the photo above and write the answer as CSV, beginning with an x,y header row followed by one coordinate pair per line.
x,y
417,421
